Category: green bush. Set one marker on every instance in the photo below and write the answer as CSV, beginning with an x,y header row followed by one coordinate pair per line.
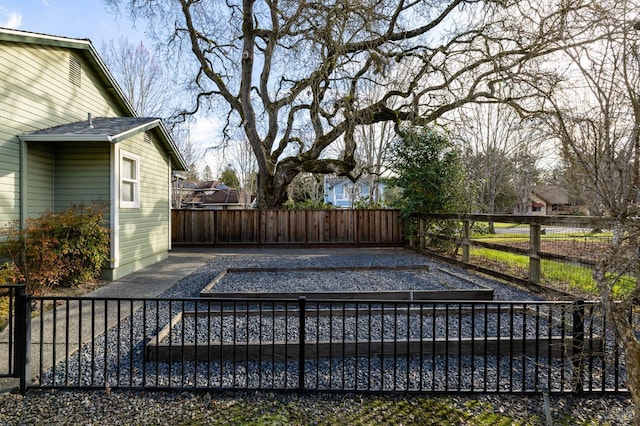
x,y
307,204
66,248
366,203
9,273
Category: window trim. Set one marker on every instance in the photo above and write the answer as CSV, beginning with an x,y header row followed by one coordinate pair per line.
x,y
136,182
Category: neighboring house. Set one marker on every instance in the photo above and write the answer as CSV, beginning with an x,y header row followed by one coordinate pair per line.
x,y
54,155
214,195
550,200
342,192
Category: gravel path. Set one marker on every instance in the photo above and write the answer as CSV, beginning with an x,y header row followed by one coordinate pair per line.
x,y
15,409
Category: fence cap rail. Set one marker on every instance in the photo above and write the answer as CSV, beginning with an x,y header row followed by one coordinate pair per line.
x,y
296,299
586,221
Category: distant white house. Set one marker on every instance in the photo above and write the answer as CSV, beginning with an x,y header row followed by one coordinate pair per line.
x,y
342,192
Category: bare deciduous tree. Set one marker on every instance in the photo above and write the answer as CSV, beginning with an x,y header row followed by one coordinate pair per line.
x,y
596,116
487,135
140,75
246,166
291,72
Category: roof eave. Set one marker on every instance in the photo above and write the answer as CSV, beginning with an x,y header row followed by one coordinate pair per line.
x,y
135,130
19,36
66,137
180,163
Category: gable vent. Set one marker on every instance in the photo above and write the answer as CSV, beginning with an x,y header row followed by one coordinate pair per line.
x,y
147,138
75,71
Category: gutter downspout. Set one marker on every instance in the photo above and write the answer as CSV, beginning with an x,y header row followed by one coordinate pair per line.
x,y
170,201
23,184
114,204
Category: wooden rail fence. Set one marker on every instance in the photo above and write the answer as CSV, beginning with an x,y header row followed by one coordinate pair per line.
x,y
344,227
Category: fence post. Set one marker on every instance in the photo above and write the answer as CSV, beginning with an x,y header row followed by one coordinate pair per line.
x,y
301,344
22,349
578,345
534,254
466,237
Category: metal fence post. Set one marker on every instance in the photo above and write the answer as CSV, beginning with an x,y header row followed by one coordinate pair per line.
x,y
578,345
22,349
301,345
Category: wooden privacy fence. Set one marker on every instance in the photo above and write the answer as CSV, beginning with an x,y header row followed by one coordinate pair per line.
x,y
287,227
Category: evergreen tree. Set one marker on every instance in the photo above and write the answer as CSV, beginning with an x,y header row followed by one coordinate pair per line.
x,y
230,178
426,166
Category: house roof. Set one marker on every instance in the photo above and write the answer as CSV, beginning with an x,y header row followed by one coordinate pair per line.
x,y
333,180
218,197
109,129
552,194
223,194
84,49
104,129
209,184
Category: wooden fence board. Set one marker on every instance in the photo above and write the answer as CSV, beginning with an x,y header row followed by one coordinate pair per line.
x,y
287,227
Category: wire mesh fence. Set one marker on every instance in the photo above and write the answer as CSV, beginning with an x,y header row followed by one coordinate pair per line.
x,y
559,253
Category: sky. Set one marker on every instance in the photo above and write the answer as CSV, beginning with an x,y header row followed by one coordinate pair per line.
x,y
88,19
69,18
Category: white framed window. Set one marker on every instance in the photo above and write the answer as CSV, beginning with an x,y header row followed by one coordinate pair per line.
x,y
129,180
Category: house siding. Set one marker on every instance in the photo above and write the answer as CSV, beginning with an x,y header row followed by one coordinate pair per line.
x,y
144,231
40,181
339,192
37,93
82,174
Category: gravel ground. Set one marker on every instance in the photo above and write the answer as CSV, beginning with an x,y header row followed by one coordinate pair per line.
x,y
439,274
128,407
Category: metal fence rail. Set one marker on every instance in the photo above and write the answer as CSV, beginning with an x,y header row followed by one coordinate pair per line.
x,y
324,345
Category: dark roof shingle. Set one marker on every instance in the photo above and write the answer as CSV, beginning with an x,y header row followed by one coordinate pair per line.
x,y
107,126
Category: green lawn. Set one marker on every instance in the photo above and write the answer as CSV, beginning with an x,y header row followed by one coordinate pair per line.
x,y
551,236
563,276
363,410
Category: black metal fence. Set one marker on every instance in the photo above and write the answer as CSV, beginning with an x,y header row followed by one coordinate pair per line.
x,y
13,334
322,345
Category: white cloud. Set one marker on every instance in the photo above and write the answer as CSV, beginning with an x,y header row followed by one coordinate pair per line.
x,y
10,18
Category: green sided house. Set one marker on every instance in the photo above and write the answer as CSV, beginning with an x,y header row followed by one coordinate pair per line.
x,y
68,135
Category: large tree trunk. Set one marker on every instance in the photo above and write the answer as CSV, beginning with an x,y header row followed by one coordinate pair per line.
x,y
632,353
620,260
625,332
272,190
